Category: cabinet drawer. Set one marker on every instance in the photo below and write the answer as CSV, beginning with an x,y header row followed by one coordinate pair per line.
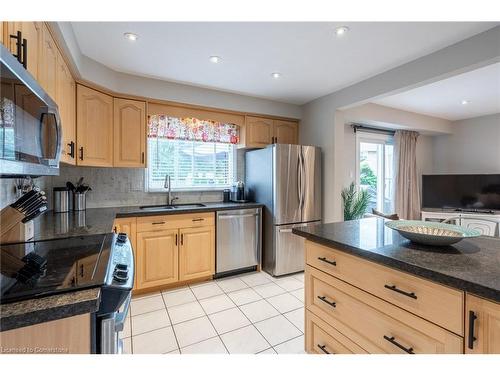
x,y
154,223
323,339
434,302
373,324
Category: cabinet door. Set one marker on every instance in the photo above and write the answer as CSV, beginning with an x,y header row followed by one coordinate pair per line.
x,y
285,132
485,227
196,253
66,102
482,325
48,64
32,32
258,131
94,119
157,258
129,133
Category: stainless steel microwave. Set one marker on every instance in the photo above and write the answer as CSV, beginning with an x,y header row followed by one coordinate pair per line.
x,y
30,129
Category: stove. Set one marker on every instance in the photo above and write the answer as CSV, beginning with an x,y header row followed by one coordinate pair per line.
x,y
43,268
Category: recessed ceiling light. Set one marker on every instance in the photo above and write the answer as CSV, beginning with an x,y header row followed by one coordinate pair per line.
x,y
465,102
131,36
276,75
341,30
215,59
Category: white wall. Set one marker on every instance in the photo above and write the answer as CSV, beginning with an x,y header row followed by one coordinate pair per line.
x,y
474,147
97,73
319,125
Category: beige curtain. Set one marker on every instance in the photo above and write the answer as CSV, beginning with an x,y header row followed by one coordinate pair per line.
x,y
407,197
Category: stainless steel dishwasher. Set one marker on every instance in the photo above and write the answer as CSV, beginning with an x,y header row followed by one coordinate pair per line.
x,y
238,240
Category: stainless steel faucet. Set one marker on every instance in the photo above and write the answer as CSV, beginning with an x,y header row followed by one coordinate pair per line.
x,y
167,185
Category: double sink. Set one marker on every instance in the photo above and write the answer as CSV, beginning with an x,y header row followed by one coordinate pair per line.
x,y
160,207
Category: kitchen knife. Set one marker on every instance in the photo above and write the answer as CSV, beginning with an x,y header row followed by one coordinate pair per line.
x,y
34,214
23,199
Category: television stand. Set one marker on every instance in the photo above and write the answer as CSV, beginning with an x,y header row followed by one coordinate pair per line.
x,y
486,222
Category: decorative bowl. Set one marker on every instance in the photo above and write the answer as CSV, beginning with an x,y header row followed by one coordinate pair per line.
x,y
431,233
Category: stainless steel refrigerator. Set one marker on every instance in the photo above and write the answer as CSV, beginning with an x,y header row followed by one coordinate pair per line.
x,y
287,180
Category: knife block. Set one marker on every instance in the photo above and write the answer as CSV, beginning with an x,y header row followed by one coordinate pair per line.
x,y
20,232
9,218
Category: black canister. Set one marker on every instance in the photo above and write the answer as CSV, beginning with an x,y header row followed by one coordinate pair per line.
x,y
226,195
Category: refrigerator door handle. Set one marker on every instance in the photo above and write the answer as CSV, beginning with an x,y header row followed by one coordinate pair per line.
x,y
302,182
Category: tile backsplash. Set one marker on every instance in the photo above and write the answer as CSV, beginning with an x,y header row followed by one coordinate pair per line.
x,y
116,186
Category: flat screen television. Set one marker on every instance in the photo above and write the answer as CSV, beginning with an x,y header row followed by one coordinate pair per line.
x,y
461,191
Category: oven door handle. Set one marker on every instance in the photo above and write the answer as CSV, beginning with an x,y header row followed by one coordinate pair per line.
x,y
121,316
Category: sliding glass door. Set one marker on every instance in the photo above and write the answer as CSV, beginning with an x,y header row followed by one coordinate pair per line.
x,y
375,169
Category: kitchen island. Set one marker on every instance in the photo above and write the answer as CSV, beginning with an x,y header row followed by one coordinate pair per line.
x,y
369,290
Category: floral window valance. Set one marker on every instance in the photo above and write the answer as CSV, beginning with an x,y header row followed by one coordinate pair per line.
x,y
192,129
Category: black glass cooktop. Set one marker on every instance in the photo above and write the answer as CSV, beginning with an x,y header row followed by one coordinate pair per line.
x,y
37,269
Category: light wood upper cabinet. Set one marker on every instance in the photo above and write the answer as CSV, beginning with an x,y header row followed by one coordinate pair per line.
x,y
48,64
482,325
66,101
94,119
258,131
157,258
129,133
33,33
285,132
261,132
196,252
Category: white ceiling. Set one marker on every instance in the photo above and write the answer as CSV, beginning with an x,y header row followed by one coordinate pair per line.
x,y
481,87
313,61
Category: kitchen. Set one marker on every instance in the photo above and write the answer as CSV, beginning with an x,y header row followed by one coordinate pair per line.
x,y
148,213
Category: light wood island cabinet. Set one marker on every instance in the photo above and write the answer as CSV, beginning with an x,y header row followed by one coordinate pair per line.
x,y
482,326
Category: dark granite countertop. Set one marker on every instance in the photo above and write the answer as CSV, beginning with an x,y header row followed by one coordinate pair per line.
x,y
100,220
472,265
24,313
73,224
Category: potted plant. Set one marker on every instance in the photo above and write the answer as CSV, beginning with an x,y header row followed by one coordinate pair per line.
x,y
354,202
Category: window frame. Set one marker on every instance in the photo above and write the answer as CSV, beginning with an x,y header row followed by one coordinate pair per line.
x,y
376,138
234,172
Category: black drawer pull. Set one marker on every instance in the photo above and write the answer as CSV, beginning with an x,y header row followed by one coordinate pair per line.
x,y
393,341
332,304
323,349
471,339
332,262
394,289
158,222
200,219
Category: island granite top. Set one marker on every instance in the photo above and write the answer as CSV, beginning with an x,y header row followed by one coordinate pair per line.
x,y
471,265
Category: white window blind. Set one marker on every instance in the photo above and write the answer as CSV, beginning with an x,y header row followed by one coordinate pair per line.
x,y
191,165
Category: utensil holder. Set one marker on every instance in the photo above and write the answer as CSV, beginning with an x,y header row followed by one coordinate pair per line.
x,y
61,199
79,201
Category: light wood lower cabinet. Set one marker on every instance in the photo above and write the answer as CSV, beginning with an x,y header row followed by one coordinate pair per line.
x,y
63,336
482,326
157,258
196,253
173,248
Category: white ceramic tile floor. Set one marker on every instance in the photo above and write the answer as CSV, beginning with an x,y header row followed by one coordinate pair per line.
x,y
249,313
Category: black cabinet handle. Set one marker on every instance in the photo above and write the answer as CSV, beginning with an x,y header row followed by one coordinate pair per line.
x,y
199,219
72,149
323,298
472,319
158,222
394,289
393,341
323,349
21,48
176,240
25,54
182,239
142,158
332,262
81,153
